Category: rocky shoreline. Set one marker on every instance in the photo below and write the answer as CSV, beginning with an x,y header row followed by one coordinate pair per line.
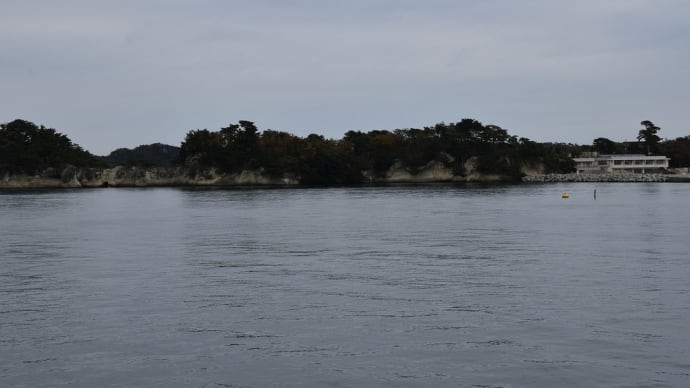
x,y
72,177
434,172
613,177
195,176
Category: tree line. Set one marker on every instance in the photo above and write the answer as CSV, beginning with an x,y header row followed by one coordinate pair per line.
x,y
28,148
317,160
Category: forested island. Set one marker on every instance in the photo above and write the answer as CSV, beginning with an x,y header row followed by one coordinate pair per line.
x,y
463,151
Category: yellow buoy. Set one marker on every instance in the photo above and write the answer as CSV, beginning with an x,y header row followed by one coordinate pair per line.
x,y
565,195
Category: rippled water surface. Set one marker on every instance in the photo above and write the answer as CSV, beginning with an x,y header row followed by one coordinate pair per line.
x,y
500,286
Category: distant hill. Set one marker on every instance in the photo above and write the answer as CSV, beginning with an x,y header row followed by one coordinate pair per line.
x,y
156,154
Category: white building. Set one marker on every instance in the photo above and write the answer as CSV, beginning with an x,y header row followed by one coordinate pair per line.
x,y
593,163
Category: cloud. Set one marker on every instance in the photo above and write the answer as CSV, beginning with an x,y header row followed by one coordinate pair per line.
x,y
115,74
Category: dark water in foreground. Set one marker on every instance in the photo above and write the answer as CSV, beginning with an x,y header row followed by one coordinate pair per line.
x,y
392,286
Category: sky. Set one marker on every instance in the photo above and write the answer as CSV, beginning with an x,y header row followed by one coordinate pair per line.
x,y
114,74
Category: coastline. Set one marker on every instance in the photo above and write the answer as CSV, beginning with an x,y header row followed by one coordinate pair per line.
x,y
610,177
121,176
72,177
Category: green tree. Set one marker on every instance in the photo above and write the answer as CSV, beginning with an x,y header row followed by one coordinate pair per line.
x,y
239,143
203,145
326,162
231,149
603,145
26,147
279,152
678,150
649,135
417,146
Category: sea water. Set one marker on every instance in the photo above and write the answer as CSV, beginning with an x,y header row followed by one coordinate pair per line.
x,y
400,286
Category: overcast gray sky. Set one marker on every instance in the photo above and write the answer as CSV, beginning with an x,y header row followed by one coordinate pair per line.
x,y
122,73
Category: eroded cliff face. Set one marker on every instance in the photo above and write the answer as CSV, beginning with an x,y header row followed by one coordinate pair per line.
x,y
432,172
140,177
437,172
72,177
